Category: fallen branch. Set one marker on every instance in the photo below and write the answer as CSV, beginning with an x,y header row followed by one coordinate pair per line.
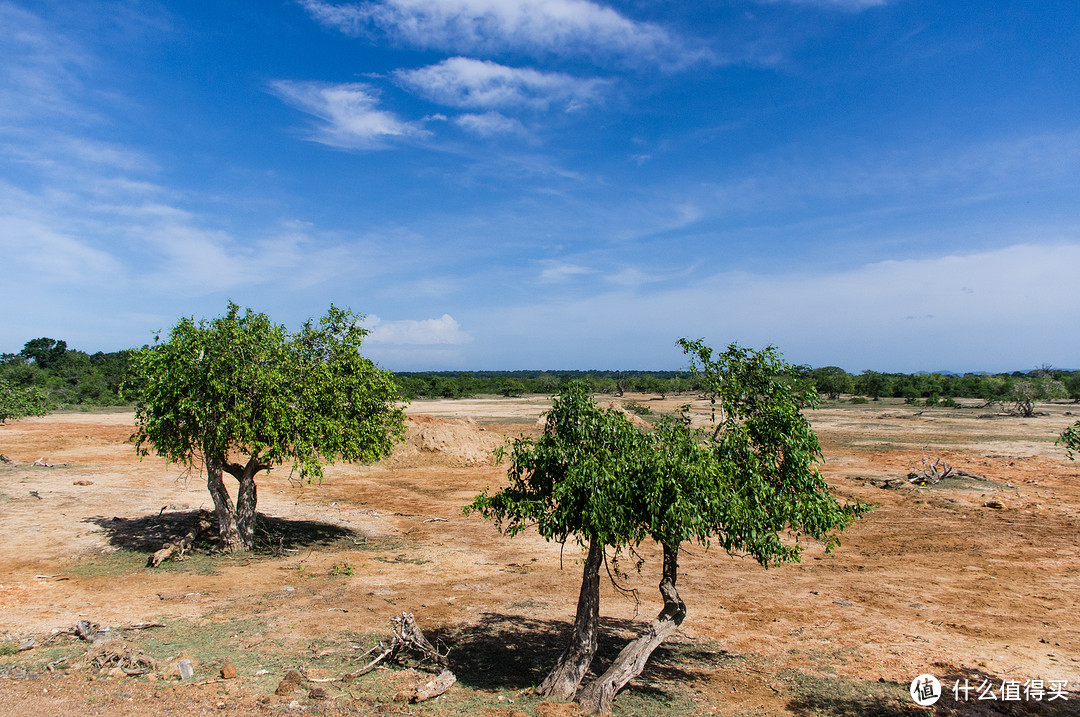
x,y
175,551
371,665
435,687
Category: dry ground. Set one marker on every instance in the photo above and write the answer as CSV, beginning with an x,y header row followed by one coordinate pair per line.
x,y
931,581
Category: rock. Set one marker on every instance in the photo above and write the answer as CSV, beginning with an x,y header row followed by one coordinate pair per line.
x,y
318,693
228,671
187,670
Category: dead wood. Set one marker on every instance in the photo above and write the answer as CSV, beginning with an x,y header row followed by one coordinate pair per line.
x,y
371,665
110,654
408,637
175,551
934,471
435,687
408,641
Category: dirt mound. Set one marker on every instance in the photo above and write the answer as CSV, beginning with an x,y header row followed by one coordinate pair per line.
x,y
430,440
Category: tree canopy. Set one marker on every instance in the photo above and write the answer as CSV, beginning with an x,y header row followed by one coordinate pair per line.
x,y
242,385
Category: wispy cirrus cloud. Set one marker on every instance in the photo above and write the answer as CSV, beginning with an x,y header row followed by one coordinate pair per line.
x,y
576,27
557,272
350,113
481,84
489,124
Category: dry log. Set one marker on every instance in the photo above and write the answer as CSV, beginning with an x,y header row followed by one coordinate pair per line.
x,y
435,687
175,551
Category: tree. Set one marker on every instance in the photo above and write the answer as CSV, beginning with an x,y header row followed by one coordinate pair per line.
x,y
1027,392
873,384
43,351
832,381
740,485
17,402
240,385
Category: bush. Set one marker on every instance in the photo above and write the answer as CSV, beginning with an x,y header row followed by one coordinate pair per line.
x,y
858,399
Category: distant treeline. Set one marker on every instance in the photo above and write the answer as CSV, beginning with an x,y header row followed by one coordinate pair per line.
x,y
67,376
71,377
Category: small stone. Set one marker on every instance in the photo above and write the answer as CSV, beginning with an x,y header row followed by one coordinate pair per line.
x,y
294,705
318,693
228,671
187,670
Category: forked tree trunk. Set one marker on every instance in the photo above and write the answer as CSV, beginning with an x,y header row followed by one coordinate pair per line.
x,y
246,499
563,681
223,506
236,523
598,695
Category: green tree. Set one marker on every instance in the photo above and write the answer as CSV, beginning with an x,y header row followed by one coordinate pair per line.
x,y
873,384
45,352
741,485
1027,392
17,402
240,385
832,381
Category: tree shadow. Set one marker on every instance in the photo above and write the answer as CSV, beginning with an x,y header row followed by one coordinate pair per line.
x,y
845,697
273,536
516,652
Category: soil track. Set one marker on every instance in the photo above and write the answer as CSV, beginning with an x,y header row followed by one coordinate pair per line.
x,y
933,580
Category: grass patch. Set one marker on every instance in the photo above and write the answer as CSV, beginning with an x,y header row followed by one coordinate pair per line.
x,y
823,695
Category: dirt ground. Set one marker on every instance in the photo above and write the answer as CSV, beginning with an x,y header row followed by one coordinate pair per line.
x,y
968,580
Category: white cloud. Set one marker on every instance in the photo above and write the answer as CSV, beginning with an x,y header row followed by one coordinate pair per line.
x,y
482,84
557,272
548,26
423,332
349,111
489,123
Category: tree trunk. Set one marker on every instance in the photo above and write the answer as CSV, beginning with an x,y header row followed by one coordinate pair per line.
x,y
223,505
246,499
598,695
563,681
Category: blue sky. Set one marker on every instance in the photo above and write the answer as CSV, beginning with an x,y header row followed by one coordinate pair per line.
x,y
503,184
